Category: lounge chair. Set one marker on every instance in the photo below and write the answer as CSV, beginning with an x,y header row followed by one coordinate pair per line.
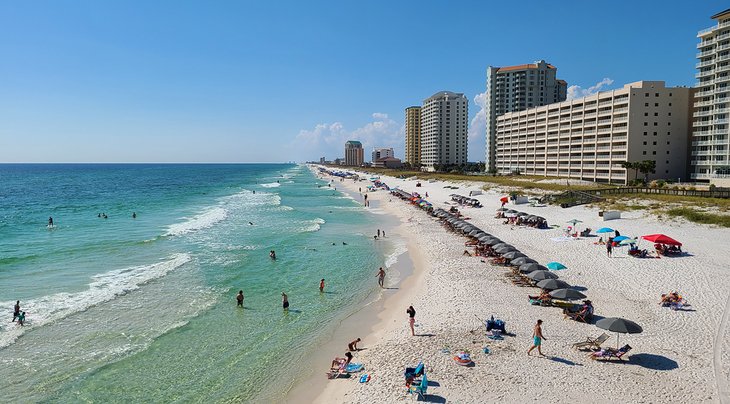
x,y
338,371
592,343
412,373
610,353
421,388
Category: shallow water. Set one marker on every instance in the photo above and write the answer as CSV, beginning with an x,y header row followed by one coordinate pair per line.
x,y
144,309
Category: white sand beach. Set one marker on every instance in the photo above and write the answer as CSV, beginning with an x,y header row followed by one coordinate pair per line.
x,y
681,355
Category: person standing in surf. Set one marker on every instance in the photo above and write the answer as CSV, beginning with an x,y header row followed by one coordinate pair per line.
x,y
16,311
50,221
272,254
381,277
321,286
239,298
285,301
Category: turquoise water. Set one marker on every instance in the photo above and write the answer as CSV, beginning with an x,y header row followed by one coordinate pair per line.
x,y
143,309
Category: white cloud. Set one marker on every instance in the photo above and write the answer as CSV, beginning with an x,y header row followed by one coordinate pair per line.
x,y
575,91
478,124
328,139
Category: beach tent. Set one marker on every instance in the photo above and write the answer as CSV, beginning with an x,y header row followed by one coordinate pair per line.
x,y
531,267
541,275
552,284
619,325
605,230
661,239
567,294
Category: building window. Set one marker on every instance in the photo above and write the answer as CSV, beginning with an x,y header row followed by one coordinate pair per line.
x,y
654,143
644,143
645,133
656,104
656,114
670,114
646,123
667,151
655,123
656,94
644,152
654,152
646,94
646,104
646,114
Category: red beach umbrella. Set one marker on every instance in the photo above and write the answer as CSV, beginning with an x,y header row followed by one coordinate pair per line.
x,y
661,239
504,199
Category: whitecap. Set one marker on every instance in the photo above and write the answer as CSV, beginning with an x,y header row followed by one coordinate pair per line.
x,y
103,287
200,221
271,185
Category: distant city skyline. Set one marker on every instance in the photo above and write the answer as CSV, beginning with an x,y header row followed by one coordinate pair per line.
x,y
255,82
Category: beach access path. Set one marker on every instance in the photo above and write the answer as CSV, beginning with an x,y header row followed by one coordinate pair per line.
x,y
680,354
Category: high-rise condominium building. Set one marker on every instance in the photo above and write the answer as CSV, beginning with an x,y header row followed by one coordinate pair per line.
x,y
516,88
354,153
588,138
444,118
711,129
413,136
382,152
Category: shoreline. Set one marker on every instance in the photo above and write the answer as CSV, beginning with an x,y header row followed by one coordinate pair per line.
x,y
367,321
680,354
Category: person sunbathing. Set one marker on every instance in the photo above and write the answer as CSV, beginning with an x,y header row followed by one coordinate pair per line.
x,y
542,298
499,261
341,363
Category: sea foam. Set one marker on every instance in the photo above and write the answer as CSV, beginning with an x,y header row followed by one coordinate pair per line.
x,y
197,222
103,288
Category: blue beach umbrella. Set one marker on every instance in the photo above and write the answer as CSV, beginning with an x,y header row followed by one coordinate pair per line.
x,y
605,230
621,238
555,266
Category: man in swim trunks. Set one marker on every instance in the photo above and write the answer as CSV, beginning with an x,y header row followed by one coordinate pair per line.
x,y
285,301
239,298
537,338
352,346
16,311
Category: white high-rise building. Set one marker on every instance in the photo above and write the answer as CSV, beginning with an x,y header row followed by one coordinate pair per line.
x,y
382,152
516,88
589,138
710,155
444,126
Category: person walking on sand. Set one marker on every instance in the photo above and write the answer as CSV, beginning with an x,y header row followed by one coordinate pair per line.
x,y
16,311
537,338
321,286
285,301
609,246
239,299
411,319
352,346
381,277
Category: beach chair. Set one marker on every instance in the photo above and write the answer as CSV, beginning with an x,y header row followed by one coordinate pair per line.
x,y
610,353
421,388
592,343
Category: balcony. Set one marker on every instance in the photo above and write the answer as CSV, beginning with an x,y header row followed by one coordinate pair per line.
x,y
722,37
722,68
704,83
706,93
722,111
704,64
721,121
705,73
702,123
702,113
704,54
706,42
704,152
723,57
704,103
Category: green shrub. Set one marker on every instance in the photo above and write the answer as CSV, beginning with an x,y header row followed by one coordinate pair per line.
x,y
700,217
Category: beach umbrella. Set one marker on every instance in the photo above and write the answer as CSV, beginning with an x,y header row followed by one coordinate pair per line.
x,y
661,239
504,199
604,230
504,249
475,233
522,261
531,267
513,255
510,215
541,275
619,325
530,217
494,241
484,238
511,211
501,245
522,214
555,266
621,238
552,284
567,294
627,241
574,221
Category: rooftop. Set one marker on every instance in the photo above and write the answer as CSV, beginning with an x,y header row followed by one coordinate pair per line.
x,y
354,143
721,14
445,94
522,67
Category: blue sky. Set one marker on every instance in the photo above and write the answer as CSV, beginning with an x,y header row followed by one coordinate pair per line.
x,y
235,81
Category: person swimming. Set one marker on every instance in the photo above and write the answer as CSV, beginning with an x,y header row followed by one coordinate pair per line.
x,y
134,215
250,223
50,222
272,254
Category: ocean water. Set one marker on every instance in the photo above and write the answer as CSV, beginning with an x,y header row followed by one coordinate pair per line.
x,y
143,309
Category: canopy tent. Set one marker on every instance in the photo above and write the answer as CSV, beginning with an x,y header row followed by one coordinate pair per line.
x,y
661,239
